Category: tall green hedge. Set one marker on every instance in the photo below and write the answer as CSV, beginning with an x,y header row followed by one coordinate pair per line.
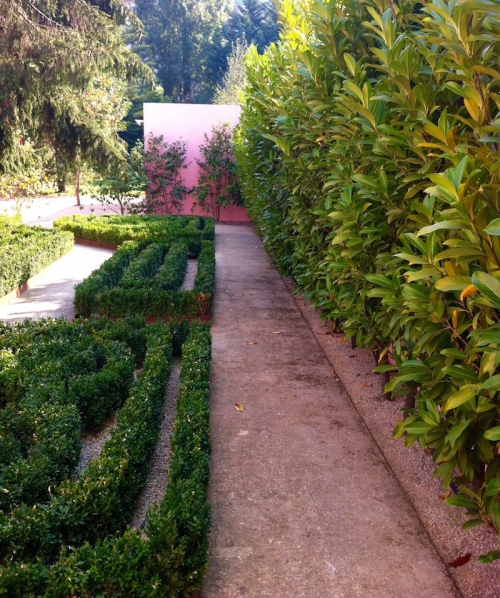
x,y
369,155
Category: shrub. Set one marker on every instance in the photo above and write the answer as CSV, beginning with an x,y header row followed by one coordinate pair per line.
x,y
26,250
164,163
173,558
368,153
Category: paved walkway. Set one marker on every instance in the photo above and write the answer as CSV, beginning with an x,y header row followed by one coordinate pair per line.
x,y
304,504
51,295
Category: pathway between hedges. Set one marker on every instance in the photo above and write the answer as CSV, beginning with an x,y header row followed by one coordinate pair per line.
x,y
304,503
52,291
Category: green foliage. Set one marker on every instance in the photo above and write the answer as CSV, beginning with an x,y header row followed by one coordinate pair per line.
x,y
218,184
117,229
139,95
172,560
63,63
143,268
164,163
26,250
234,79
123,184
179,37
171,274
368,153
142,278
101,500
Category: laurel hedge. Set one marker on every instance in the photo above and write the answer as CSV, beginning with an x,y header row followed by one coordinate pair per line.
x,y
368,152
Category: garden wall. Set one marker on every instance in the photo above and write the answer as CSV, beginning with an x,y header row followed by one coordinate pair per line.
x,y
190,122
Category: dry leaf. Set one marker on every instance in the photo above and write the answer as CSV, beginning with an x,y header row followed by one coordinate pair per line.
x,y
400,419
445,495
365,385
467,291
462,560
342,340
333,373
238,406
252,342
277,332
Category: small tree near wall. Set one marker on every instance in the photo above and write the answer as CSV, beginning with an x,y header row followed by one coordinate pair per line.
x,y
218,184
164,163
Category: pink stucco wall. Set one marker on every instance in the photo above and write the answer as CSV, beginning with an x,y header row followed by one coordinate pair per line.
x,y
190,122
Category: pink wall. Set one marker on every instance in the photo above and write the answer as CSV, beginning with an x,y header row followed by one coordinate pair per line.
x,y
190,122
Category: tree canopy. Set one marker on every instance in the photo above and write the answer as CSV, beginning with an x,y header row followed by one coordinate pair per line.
x,y
61,63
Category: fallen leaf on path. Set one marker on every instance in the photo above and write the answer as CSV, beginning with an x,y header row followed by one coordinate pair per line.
x,y
252,342
333,373
445,495
462,560
342,340
365,385
277,332
238,406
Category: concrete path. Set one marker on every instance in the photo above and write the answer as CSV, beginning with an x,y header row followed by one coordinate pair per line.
x,y
51,295
304,504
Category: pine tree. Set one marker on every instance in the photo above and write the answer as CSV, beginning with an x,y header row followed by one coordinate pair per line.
x,y
58,59
179,36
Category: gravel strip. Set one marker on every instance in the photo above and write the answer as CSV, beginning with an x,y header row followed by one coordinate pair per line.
x,y
158,476
191,270
92,444
413,467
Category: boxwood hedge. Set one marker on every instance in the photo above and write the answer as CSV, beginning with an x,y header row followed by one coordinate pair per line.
x,y
117,229
26,250
170,559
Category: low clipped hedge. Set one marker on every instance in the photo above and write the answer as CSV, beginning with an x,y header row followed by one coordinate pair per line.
x,y
171,274
26,250
117,229
63,383
125,285
102,500
172,559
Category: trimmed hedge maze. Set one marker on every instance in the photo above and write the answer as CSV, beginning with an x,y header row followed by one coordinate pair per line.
x,y
65,532
26,250
143,278
118,229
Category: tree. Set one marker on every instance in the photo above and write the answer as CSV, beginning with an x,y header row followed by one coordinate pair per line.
x,y
255,21
218,184
54,58
235,77
163,163
124,185
179,36
138,95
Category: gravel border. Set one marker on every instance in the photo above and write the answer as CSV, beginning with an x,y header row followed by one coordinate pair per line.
x,y
413,467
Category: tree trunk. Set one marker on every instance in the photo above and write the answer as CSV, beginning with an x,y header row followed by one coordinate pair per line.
x,y
478,481
77,187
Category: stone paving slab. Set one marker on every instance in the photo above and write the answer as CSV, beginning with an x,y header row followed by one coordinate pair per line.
x,y
52,294
304,504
